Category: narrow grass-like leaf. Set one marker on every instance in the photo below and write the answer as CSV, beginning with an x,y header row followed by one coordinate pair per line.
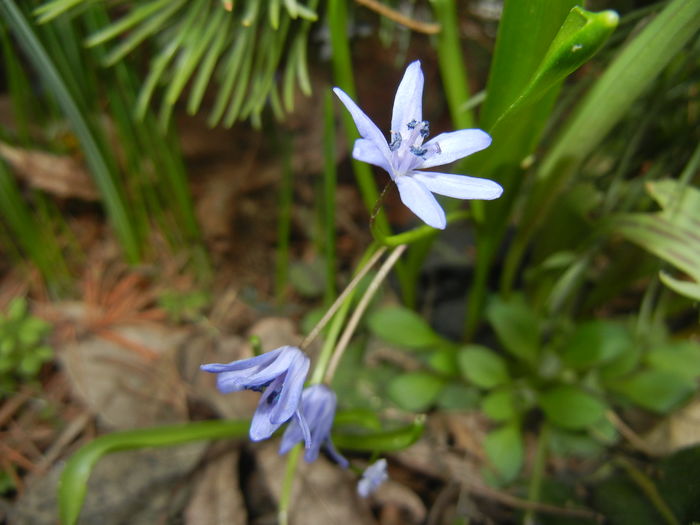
x,y
284,221
206,70
72,486
152,25
452,69
127,22
51,10
228,68
113,199
329,197
342,72
195,43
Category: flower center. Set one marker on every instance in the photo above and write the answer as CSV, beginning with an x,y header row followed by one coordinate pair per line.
x,y
407,147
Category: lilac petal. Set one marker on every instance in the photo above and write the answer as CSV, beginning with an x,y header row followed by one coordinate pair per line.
x,y
366,151
367,129
254,372
455,145
335,455
459,186
290,394
408,103
297,431
262,426
372,477
421,202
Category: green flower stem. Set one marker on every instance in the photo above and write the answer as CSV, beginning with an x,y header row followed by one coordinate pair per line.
x,y
535,488
73,483
647,486
360,310
417,234
342,72
451,62
369,259
288,484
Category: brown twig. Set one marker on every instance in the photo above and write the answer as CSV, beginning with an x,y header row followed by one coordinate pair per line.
x,y
629,434
399,18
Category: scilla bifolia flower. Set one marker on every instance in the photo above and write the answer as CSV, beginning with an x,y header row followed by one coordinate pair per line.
x,y
405,153
279,375
318,404
372,477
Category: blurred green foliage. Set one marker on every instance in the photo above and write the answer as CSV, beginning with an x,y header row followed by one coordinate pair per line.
x,y
23,348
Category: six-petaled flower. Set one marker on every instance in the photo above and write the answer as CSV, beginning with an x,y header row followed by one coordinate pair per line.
x,y
318,404
372,477
279,375
406,153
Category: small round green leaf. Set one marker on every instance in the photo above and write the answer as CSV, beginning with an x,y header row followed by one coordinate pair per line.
x,y
500,405
482,366
415,391
404,327
504,448
656,390
596,342
572,408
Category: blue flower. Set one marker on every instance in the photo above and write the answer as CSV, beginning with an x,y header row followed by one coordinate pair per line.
x,y
279,374
405,153
372,477
318,404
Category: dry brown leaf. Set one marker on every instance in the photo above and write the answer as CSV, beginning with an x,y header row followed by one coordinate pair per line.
x,y
123,388
60,175
217,497
679,430
323,493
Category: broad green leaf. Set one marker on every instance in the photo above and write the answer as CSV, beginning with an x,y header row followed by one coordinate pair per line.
x,y
571,408
385,441
517,327
500,405
663,237
656,390
678,357
525,33
415,391
482,366
596,342
72,485
580,37
444,361
458,396
404,327
632,72
504,449
687,289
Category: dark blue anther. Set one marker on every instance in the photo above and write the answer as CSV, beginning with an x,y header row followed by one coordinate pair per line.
x,y
418,152
412,124
425,130
395,141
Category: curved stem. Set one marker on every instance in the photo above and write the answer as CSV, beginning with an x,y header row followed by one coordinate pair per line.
x,y
360,310
364,268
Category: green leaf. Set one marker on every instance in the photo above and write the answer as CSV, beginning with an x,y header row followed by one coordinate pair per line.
x,y
458,396
579,38
72,485
571,408
500,405
678,357
385,441
632,72
517,327
444,361
656,390
596,342
415,391
482,366
403,327
504,449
